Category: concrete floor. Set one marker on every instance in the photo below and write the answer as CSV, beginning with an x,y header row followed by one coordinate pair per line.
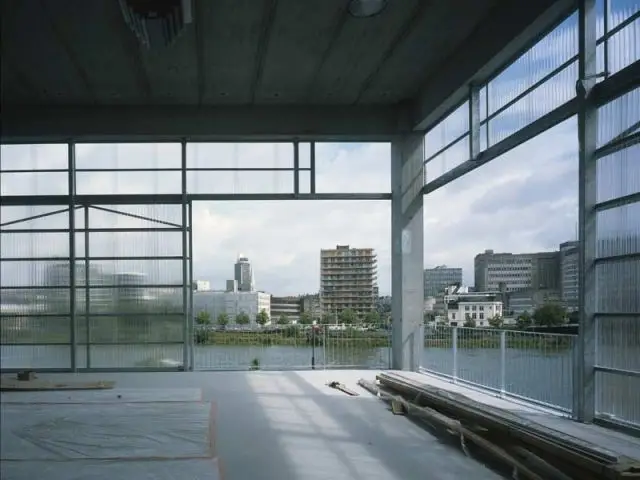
x,y
289,425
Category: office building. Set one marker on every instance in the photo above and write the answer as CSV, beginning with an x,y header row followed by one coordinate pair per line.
x,y
438,278
231,303
289,307
348,280
569,258
518,271
244,275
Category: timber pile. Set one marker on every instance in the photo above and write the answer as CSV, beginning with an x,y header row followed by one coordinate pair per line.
x,y
532,450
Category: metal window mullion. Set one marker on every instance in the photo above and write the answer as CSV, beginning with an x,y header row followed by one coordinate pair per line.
x,y
607,9
618,143
87,283
296,168
71,158
136,216
185,278
474,121
584,387
34,217
312,168
191,317
618,202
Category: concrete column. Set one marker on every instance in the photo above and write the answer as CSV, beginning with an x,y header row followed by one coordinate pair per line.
x,y
407,232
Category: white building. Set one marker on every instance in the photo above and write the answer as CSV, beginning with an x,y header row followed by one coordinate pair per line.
x,y
462,305
202,285
231,303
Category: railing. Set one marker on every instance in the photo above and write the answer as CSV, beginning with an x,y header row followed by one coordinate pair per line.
x,y
292,347
536,367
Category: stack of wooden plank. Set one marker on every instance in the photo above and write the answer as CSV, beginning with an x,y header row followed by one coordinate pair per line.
x,y
536,451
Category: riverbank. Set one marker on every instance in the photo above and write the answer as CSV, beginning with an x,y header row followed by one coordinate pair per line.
x,y
551,343
292,337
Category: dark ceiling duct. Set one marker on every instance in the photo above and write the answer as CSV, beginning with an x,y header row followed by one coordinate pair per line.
x,y
156,23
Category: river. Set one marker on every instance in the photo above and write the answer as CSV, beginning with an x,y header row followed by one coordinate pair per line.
x,y
528,372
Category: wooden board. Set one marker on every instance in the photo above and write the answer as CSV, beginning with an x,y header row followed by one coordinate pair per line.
x,y
15,385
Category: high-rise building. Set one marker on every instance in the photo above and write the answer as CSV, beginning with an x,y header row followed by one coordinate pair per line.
x,y
244,275
348,280
518,271
569,260
438,278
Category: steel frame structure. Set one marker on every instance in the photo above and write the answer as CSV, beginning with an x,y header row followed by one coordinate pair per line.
x,y
407,194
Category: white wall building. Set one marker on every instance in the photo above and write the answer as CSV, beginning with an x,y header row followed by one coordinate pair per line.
x,y
203,285
474,309
478,306
231,303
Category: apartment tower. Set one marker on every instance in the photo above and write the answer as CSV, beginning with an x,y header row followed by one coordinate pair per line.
x,y
348,280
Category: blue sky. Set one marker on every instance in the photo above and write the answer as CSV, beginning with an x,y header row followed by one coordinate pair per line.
x,y
523,201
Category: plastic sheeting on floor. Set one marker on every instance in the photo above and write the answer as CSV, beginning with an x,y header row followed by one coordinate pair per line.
x,y
106,431
193,469
117,395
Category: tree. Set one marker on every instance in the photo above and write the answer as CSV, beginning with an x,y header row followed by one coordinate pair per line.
x,y
496,321
306,318
523,321
373,318
262,317
327,319
242,319
549,315
348,316
428,317
469,322
283,320
223,319
203,318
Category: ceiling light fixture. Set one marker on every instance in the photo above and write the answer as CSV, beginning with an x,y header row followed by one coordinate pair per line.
x,y
366,8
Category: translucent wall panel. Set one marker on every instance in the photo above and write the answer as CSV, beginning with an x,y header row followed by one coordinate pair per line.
x,y
618,263
241,168
34,301
353,168
33,170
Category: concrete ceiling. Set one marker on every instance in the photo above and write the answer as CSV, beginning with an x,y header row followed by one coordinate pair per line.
x,y
74,58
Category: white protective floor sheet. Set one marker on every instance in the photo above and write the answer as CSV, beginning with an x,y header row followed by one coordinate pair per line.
x,y
268,426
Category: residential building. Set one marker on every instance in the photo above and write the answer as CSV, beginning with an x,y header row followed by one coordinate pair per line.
x,y
438,278
569,260
290,307
231,303
463,305
244,275
311,304
348,280
518,271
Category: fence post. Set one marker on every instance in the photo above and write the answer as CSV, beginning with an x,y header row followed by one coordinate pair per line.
x,y
455,354
420,354
503,362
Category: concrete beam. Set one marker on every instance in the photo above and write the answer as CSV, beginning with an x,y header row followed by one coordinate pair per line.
x,y
509,30
173,123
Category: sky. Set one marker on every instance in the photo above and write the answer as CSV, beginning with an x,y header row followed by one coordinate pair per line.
x,y
524,201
